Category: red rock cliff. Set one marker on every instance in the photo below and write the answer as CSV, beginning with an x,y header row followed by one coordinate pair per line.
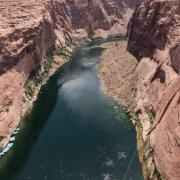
x,y
29,29
154,39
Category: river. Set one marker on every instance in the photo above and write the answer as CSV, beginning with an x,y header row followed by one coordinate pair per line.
x,y
75,131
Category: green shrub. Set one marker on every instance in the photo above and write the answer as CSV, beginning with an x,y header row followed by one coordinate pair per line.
x,y
150,114
62,52
30,90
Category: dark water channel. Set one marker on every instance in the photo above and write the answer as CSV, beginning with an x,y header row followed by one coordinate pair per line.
x,y
75,131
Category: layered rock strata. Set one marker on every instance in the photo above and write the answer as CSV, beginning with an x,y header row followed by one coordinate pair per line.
x,y
154,39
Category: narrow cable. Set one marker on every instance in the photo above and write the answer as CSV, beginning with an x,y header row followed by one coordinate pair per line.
x,y
125,175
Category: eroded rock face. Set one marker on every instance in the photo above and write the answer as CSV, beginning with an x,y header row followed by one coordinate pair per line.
x,y
154,39
29,29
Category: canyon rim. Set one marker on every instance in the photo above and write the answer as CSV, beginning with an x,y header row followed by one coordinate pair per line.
x,y
31,30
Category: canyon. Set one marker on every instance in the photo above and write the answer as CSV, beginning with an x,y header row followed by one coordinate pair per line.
x,y
31,30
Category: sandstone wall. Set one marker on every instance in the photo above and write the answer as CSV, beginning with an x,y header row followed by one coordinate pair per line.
x,y
154,39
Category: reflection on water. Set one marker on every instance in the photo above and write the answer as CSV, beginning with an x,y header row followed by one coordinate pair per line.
x,y
75,132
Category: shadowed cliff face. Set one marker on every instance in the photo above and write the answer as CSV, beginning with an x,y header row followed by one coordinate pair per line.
x,y
29,29
154,38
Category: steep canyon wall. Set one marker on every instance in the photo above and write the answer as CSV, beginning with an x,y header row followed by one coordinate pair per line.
x,y
154,39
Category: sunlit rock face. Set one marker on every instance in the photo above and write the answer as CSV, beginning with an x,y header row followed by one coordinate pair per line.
x,y
154,38
29,29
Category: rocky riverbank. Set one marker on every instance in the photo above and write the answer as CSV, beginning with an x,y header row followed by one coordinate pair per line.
x,y
117,71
